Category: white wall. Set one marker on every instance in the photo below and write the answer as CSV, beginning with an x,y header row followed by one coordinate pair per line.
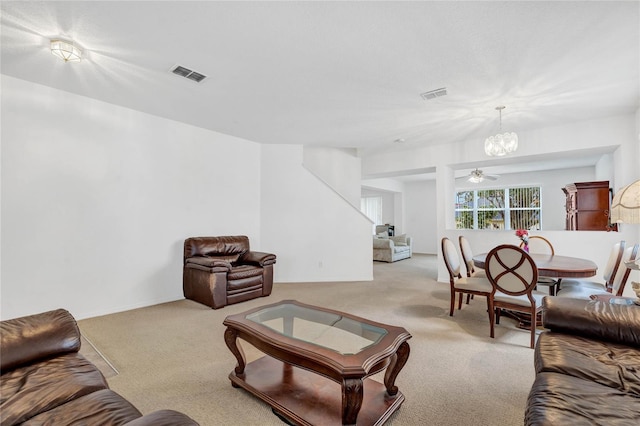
x,y
97,201
317,235
421,205
339,168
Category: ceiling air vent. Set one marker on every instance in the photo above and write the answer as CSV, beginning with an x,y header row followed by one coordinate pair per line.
x,y
434,94
187,73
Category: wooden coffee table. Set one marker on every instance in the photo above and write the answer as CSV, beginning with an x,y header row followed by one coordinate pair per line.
x,y
305,346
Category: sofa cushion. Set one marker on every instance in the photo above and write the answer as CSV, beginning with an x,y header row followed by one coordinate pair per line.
x,y
32,389
559,399
610,364
103,407
401,249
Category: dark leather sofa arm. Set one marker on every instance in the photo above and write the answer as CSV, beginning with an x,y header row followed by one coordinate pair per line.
x,y
163,418
208,264
34,337
257,258
593,319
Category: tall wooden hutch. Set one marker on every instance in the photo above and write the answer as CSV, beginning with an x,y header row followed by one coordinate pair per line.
x,y
587,205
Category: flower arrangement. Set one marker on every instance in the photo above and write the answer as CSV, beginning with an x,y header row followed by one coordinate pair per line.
x,y
523,234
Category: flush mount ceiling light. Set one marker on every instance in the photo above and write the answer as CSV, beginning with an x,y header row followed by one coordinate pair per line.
x,y
502,143
66,50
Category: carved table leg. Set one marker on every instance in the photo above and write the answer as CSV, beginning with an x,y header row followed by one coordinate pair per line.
x,y
230,338
352,392
398,361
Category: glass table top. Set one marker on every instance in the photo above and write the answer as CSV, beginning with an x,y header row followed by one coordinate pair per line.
x,y
336,332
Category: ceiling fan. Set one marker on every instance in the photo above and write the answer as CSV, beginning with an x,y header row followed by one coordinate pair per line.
x,y
477,176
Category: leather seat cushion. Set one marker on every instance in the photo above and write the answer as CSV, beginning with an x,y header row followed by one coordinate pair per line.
x,y
243,277
30,390
244,271
559,399
610,364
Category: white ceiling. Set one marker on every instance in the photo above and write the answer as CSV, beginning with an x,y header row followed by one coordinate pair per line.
x,y
340,74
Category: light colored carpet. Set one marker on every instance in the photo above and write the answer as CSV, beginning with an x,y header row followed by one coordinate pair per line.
x,y
173,355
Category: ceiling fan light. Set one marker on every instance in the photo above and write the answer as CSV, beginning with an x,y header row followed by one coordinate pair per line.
x,y
66,51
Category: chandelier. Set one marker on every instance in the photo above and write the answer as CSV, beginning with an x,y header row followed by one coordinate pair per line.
x,y
66,50
502,143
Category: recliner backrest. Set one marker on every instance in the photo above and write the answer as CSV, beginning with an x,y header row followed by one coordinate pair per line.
x,y
230,248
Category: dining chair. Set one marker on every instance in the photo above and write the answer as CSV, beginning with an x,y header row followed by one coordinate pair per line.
x,y
513,276
614,287
622,274
538,244
462,285
467,257
580,288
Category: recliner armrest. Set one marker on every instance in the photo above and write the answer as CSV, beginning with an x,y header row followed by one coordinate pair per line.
x,y
382,243
258,258
208,264
593,319
34,337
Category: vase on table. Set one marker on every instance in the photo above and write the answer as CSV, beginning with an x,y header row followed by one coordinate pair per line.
x,y
526,247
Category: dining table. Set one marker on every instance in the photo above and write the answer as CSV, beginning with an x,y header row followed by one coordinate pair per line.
x,y
553,266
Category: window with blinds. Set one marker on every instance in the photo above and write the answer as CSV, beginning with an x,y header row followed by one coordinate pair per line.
x,y
506,208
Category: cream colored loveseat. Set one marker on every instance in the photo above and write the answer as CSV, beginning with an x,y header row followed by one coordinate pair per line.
x,y
391,249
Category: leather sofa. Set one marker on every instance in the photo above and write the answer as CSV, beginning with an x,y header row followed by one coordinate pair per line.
x,y
392,249
587,364
220,271
45,380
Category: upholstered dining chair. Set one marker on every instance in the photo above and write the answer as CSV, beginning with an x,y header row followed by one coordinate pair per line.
x,y
467,257
462,285
513,275
614,285
581,289
539,244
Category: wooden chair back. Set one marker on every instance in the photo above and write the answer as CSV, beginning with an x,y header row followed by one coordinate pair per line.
x,y
613,263
538,244
622,274
511,270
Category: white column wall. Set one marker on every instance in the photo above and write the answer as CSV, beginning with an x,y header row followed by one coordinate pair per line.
x,y
98,199
339,168
421,207
317,234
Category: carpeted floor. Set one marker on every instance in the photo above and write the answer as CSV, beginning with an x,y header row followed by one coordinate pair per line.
x,y
173,355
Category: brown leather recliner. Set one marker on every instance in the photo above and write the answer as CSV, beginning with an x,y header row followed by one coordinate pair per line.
x,y
220,271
